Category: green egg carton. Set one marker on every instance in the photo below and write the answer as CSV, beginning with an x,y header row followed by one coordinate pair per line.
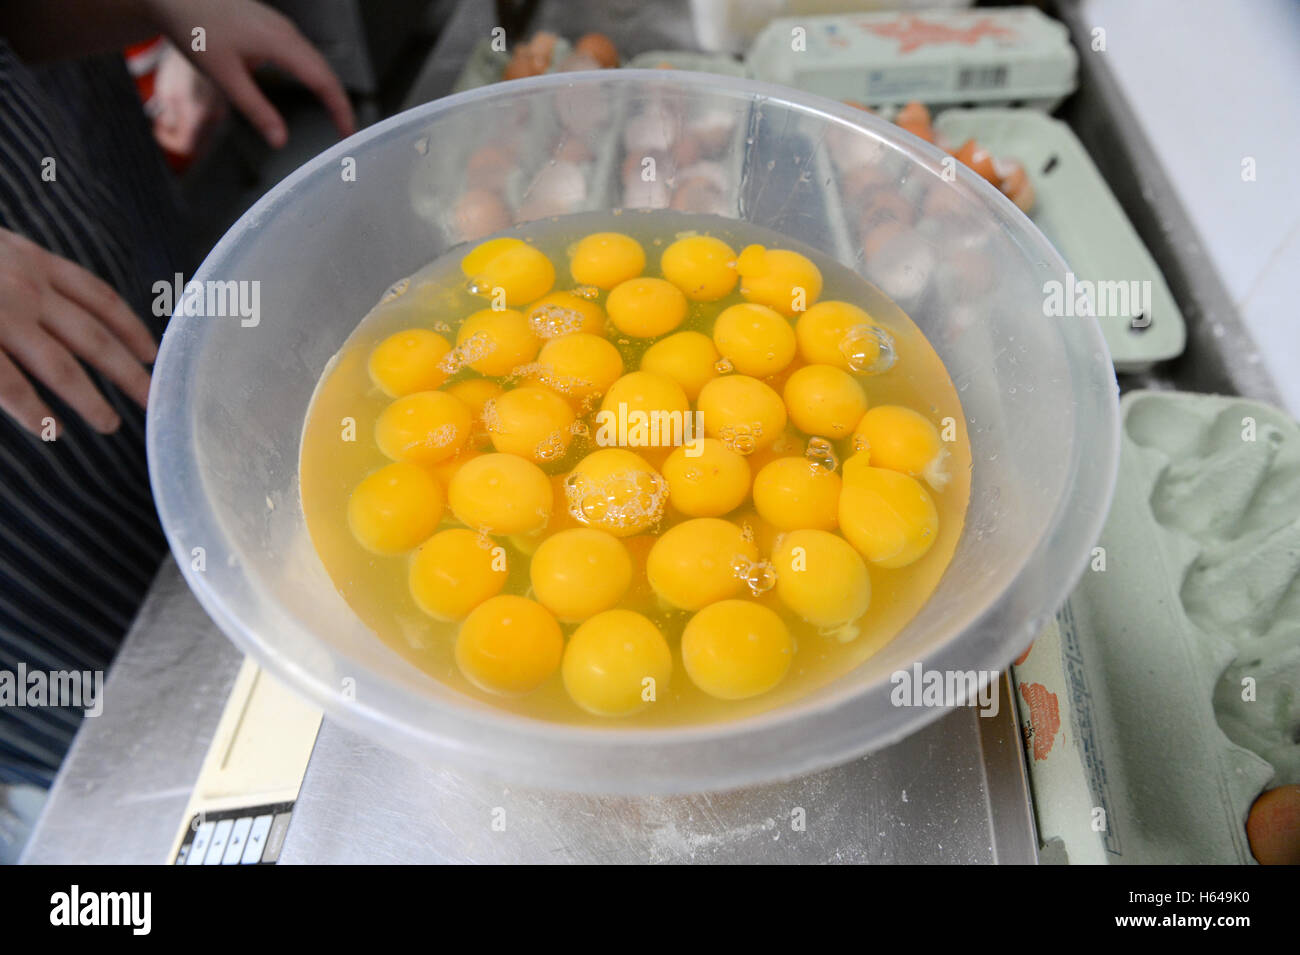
x,y
989,56
1076,210
1166,694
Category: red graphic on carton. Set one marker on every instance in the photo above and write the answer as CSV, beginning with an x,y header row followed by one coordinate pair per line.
x,y
914,32
1044,717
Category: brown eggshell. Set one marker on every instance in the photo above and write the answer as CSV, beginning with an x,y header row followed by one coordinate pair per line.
x,y
480,212
1273,826
599,47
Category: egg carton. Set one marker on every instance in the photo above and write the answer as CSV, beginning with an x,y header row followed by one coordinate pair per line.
x,y
1166,694
1076,210
990,56
548,183
725,166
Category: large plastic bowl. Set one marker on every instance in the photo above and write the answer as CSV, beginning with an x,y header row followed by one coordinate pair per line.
x,y
229,398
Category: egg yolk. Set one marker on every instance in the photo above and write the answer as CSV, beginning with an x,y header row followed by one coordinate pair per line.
x,y
495,343
616,664
454,571
605,259
694,563
795,493
778,278
426,427
825,401
735,649
617,491
578,366
757,340
408,362
445,470
688,358
509,645
820,577
703,267
519,271
742,412
474,393
843,335
530,421
563,313
709,484
501,494
578,573
646,307
901,439
789,444
886,515
661,400
395,508
754,528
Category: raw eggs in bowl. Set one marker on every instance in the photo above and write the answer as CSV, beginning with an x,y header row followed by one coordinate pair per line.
x,y
1033,398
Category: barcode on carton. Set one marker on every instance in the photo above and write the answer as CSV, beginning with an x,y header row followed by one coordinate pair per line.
x,y
981,78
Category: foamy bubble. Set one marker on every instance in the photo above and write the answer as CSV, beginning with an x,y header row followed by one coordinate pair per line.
x,y
553,321
477,346
822,454
759,575
551,447
741,438
625,499
868,349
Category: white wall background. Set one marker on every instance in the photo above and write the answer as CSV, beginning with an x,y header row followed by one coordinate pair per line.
x,y
1213,82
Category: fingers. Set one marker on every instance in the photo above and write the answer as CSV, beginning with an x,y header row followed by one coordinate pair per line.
x,y
303,61
47,360
86,337
18,399
98,298
237,83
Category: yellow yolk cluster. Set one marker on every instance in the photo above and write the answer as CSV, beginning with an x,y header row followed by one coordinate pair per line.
x,y
735,515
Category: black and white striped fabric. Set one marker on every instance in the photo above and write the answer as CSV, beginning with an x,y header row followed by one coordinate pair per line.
x,y
79,538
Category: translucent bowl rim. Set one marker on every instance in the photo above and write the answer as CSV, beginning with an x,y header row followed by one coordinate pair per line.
x,y
506,744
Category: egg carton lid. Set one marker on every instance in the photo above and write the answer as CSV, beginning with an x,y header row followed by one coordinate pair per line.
x,y
688,60
1076,210
1122,696
938,57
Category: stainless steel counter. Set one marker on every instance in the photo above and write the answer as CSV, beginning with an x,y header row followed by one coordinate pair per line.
x,y
955,792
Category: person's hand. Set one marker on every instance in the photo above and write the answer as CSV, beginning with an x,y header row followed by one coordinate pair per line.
x,y
240,36
53,312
